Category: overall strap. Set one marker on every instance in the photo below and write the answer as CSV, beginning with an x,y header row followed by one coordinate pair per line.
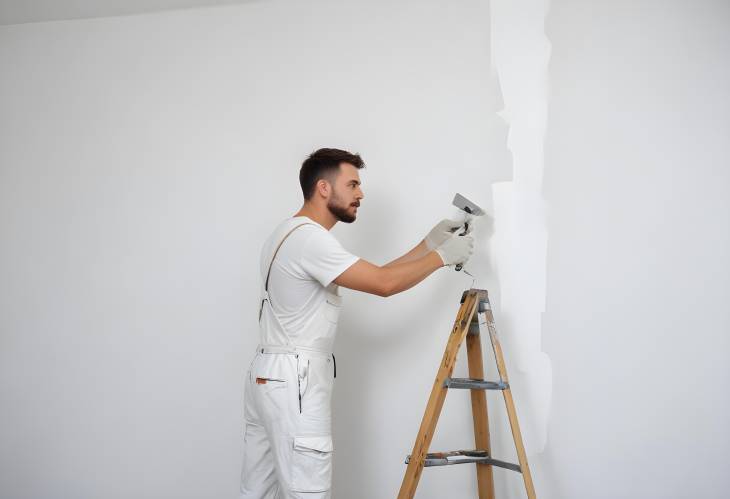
x,y
271,263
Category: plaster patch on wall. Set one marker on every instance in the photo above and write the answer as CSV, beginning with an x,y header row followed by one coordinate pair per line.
x,y
520,54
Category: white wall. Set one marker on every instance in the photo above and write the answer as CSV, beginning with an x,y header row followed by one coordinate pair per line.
x,y
520,55
636,180
144,160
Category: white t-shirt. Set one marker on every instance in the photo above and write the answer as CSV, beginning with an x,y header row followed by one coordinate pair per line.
x,y
305,266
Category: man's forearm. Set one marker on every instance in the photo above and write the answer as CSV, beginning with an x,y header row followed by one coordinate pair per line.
x,y
406,274
419,251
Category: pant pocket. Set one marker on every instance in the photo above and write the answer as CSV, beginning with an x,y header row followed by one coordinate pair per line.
x,y
272,398
312,464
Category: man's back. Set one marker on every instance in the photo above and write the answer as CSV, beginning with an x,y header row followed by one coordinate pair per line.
x,y
307,262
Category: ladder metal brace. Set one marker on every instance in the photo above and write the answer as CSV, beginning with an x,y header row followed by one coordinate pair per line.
x,y
475,384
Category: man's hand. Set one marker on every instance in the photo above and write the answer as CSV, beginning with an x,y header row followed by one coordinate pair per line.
x,y
442,231
456,250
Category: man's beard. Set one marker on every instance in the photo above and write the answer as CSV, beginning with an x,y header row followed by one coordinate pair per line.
x,y
339,211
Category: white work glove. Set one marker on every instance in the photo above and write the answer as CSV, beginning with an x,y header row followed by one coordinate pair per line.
x,y
443,231
456,250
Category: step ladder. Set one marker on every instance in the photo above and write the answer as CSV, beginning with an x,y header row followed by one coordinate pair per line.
x,y
474,302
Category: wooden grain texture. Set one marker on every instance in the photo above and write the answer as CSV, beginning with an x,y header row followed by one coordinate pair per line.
x,y
485,476
438,395
468,312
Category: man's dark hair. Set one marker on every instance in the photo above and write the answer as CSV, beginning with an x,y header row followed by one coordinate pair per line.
x,y
324,163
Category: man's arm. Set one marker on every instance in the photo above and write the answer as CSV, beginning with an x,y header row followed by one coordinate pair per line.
x,y
417,252
392,278
405,272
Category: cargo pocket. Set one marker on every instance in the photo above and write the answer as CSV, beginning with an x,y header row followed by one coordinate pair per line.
x,y
312,464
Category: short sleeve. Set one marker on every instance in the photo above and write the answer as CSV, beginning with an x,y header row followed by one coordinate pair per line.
x,y
324,258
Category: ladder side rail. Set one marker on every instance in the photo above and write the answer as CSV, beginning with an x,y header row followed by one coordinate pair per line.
x,y
479,410
510,405
438,395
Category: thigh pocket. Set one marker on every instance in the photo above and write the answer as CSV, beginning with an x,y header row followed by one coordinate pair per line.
x,y
312,464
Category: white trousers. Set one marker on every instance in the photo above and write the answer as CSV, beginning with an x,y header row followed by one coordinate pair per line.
x,y
287,437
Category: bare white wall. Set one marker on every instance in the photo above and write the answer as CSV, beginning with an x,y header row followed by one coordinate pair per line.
x,y
637,323
143,161
33,11
520,55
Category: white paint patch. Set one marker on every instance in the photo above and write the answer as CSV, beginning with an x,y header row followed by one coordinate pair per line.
x,y
520,53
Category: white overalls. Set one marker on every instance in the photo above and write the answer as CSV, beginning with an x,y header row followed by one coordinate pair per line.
x,y
288,436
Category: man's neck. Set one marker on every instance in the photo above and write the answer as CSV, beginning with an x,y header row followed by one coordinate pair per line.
x,y
319,214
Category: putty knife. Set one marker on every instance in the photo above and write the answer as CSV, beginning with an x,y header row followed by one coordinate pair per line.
x,y
470,209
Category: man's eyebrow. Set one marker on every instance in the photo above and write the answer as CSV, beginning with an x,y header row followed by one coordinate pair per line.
x,y
357,182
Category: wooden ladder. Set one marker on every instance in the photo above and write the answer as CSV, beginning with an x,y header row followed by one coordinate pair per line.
x,y
473,303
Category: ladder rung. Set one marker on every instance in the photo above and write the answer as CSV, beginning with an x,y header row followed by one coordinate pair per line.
x,y
475,384
464,457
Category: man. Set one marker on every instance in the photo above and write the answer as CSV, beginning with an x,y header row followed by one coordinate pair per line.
x,y
288,439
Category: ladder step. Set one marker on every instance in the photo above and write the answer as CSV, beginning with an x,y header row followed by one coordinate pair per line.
x,y
475,384
465,457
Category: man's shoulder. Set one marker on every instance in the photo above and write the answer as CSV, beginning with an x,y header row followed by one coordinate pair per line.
x,y
291,233
294,232
292,226
302,230
312,235
310,240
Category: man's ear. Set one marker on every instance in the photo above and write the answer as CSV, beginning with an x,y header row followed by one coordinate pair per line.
x,y
323,188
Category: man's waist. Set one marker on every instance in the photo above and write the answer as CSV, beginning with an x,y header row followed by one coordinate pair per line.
x,y
293,350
